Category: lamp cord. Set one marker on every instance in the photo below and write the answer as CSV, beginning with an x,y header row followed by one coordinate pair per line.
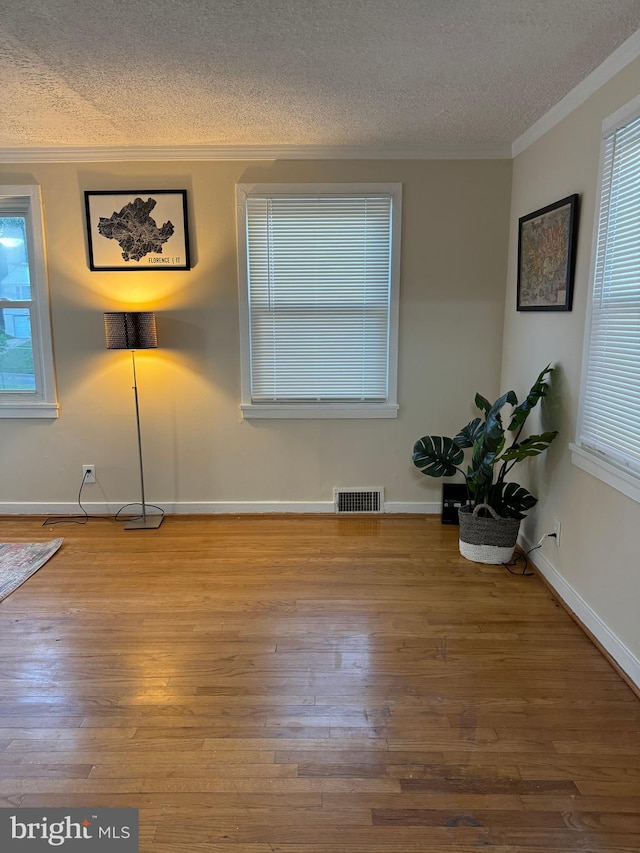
x,y
84,516
144,514
74,519
524,573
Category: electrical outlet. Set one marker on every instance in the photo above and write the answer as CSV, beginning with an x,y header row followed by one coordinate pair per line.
x,y
88,474
556,530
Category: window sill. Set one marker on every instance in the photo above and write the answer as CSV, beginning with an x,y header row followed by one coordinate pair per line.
x,y
29,410
319,410
604,470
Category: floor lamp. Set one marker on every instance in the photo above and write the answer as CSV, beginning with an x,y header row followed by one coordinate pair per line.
x,y
134,330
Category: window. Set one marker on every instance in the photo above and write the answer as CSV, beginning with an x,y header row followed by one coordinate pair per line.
x,y
608,444
27,387
319,272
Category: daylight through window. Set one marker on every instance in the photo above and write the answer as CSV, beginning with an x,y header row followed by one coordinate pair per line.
x,y
610,423
26,363
319,277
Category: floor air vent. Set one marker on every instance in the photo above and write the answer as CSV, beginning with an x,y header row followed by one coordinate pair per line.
x,y
358,500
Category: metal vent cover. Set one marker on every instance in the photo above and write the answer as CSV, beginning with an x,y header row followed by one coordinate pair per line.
x,y
358,499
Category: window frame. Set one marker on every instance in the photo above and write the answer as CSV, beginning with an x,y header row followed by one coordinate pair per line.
x,y
26,200
583,455
322,409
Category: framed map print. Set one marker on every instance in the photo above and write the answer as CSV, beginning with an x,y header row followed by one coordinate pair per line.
x,y
137,230
547,256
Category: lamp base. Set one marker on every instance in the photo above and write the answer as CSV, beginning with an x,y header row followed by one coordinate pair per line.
x,y
148,523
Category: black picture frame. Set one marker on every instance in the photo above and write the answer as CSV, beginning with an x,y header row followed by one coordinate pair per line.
x,y
547,241
137,230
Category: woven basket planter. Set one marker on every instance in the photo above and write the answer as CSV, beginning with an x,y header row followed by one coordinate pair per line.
x,y
487,540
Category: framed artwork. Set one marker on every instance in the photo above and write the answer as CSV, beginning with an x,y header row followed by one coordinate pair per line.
x,y
137,230
547,256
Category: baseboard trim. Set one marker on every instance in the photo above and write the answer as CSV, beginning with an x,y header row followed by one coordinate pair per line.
x,y
408,507
619,655
209,507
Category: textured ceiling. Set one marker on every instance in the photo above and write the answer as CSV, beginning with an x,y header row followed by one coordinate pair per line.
x,y
294,72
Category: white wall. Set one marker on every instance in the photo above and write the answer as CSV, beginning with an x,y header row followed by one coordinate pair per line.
x,y
596,567
198,452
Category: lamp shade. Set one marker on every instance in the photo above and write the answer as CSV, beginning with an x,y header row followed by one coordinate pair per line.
x,y
130,330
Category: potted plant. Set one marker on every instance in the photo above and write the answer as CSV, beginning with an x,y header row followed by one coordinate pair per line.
x,y
490,521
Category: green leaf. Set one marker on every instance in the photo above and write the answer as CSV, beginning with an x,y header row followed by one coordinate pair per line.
x,y
508,397
468,436
494,429
480,472
437,456
482,403
531,446
511,500
486,448
538,390
489,442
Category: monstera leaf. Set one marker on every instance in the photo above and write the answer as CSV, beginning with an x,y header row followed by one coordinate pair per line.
x,y
487,447
511,500
538,390
482,403
531,446
437,456
480,473
494,421
468,436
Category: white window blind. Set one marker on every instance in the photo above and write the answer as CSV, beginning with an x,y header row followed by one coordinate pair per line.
x,y
319,274
610,423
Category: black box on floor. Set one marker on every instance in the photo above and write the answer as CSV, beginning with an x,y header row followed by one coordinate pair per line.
x,y
454,495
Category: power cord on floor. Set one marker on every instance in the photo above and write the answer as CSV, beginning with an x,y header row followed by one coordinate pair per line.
x,y
116,517
524,573
84,517
73,519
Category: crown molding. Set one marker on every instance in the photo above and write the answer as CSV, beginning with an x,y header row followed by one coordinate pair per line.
x,y
97,154
613,64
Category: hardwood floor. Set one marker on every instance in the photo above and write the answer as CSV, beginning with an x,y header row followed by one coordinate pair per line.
x,y
310,684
